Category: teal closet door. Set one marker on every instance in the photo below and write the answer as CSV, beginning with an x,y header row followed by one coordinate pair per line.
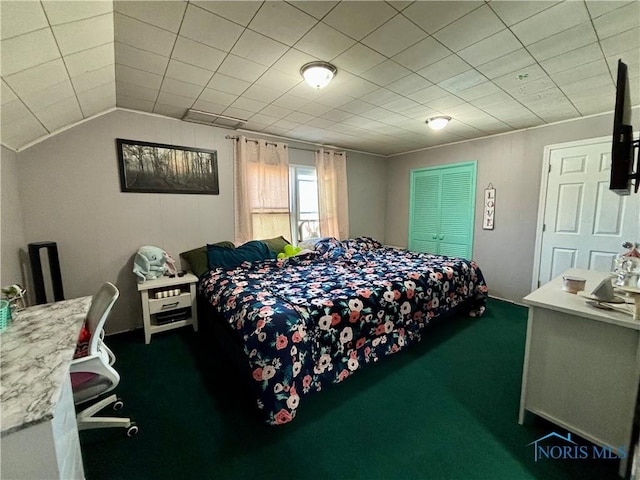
x,y
442,208
424,211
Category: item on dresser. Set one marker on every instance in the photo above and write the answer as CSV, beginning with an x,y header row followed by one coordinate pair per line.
x,y
311,320
573,284
152,262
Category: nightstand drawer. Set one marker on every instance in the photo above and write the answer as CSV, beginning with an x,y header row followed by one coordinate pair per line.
x,y
169,303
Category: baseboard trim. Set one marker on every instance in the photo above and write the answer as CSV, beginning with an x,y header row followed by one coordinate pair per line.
x,y
508,301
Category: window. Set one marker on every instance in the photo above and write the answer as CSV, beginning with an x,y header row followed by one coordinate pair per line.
x,y
305,217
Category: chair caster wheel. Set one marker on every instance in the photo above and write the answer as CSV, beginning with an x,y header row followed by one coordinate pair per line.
x,y
132,430
118,404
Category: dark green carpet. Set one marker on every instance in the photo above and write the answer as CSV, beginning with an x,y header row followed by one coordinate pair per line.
x,y
446,408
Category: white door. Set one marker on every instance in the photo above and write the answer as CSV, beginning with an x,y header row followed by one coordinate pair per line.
x,y
585,223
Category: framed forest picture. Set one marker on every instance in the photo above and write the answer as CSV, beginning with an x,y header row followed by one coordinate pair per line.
x,y
157,168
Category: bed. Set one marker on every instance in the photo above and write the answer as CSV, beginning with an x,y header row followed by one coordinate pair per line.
x,y
315,319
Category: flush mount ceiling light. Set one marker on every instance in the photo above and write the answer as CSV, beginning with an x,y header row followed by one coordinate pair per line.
x,y
318,74
438,123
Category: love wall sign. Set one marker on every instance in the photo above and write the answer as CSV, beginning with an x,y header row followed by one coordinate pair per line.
x,y
489,208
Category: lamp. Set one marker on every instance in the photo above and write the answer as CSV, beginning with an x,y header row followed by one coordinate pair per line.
x,y
318,74
438,123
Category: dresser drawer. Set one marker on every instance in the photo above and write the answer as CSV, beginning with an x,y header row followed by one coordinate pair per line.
x,y
169,303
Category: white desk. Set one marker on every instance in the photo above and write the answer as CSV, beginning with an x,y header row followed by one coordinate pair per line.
x,y
39,436
582,365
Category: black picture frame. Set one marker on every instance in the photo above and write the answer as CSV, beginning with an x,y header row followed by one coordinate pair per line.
x,y
147,167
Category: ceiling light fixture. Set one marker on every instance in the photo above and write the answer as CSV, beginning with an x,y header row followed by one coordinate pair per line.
x,y
438,123
318,74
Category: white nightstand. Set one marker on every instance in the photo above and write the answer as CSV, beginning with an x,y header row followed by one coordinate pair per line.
x,y
181,294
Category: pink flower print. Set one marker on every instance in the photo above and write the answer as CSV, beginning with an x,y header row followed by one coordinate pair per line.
x,y
396,294
360,342
283,416
306,381
260,323
335,319
327,303
354,316
296,337
281,342
257,374
379,329
364,292
343,374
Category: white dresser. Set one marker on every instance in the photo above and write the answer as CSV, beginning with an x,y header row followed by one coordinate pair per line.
x,y
39,436
582,365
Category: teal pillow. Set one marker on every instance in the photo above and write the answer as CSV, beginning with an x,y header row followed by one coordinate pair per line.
x,y
230,258
197,258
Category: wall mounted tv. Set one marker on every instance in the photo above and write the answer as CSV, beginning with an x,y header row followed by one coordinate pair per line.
x,y
623,150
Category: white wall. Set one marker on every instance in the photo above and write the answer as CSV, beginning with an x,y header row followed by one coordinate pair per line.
x,y
70,194
11,224
513,164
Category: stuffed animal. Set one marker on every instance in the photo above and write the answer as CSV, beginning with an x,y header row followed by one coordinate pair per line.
x,y
289,251
152,262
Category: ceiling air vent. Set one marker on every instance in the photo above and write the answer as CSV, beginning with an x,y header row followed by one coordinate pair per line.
x,y
207,118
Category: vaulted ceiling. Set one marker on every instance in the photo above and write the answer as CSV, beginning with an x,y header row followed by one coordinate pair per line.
x,y
493,66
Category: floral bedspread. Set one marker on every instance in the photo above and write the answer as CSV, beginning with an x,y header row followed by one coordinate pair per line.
x,y
312,320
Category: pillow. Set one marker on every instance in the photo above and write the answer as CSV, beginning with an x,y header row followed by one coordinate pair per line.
x,y
230,258
277,244
197,258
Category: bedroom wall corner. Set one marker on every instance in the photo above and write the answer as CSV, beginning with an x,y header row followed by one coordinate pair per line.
x,y
11,223
70,192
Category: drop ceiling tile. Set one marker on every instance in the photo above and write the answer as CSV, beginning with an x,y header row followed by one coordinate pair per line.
x,y
21,17
168,17
177,87
209,107
143,36
358,87
93,79
205,27
422,54
359,19
60,114
465,80
316,109
89,60
433,16
286,124
276,111
356,107
358,59
198,54
443,103
262,93
550,22
172,100
228,84
140,59
334,99
299,117
572,59
324,42
496,98
580,86
618,20
218,97
479,91
66,12
138,77
131,90
289,101
239,12
427,94
622,42
490,48
188,73
48,96
278,81
84,34
394,36
317,9
98,99
37,78
12,112
385,73
29,50
6,94
520,77
248,105
515,12
320,122
530,88
400,105
169,110
409,84
598,7
511,62
631,58
258,48
263,119
134,103
592,69
477,25
380,96
292,61
23,130
566,41
272,15
237,67
446,68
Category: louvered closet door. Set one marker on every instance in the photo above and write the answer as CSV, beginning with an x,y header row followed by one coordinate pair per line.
x,y
457,202
424,214
442,207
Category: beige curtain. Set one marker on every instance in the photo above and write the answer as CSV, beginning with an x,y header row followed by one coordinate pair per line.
x,y
333,200
261,190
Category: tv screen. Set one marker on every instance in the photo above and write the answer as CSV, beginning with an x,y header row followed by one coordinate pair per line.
x,y
622,150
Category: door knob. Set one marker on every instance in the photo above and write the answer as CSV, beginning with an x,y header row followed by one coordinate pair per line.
x,y
434,236
441,237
